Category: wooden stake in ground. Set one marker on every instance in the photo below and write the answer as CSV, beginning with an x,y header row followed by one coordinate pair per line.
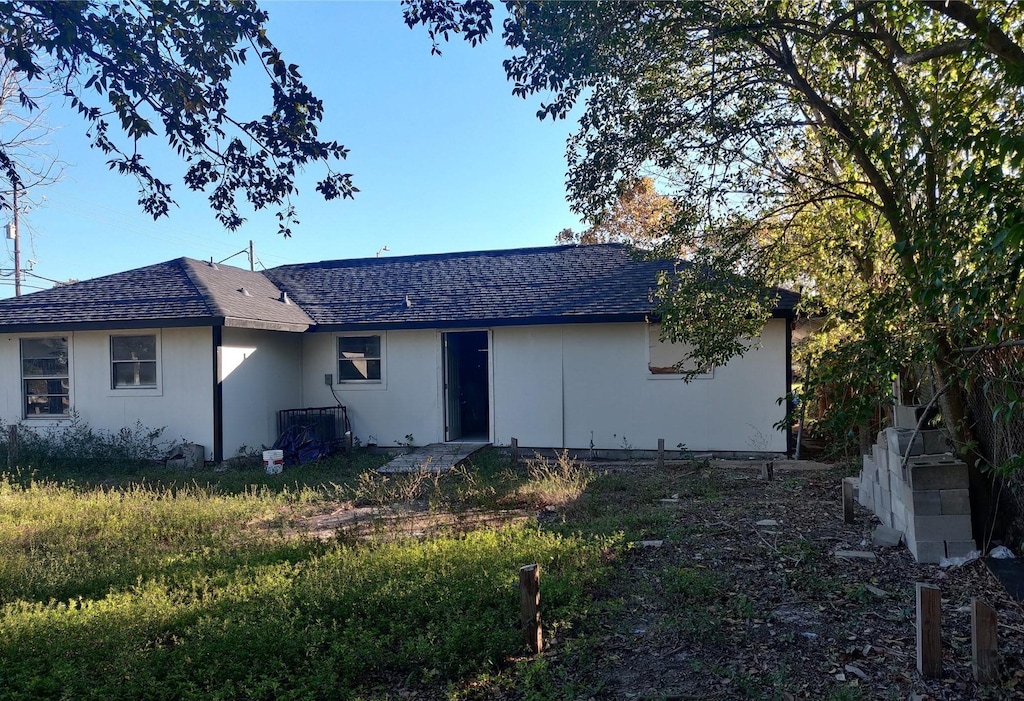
x,y
768,471
514,446
929,630
985,652
661,453
529,597
12,446
848,500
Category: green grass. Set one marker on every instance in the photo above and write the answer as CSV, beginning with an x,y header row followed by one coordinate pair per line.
x,y
157,586
242,476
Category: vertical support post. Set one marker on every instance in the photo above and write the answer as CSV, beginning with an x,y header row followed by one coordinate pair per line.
x,y
984,647
529,597
12,446
661,453
847,500
768,471
929,631
514,445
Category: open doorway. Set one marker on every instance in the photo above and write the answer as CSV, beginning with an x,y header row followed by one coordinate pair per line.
x,y
466,387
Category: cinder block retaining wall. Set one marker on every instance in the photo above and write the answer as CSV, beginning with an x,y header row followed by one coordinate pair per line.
x,y
927,499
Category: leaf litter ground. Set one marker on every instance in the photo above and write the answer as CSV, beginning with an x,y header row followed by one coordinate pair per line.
x,y
746,598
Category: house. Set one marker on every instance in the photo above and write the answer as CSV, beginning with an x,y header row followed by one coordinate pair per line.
x,y
555,346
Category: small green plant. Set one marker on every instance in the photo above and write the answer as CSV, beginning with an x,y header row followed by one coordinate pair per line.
x,y
625,446
691,585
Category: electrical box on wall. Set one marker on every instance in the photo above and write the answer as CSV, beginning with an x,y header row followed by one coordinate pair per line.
x,y
329,379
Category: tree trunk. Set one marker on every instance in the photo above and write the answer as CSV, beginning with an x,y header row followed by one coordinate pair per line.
x,y
866,440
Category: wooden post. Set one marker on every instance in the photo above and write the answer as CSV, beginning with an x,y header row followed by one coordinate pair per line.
x,y
768,471
515,452
661,453
929,631
12,446
529,597
847,500
985,652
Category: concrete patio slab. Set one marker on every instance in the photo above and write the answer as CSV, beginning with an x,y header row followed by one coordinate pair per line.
x,y
436,458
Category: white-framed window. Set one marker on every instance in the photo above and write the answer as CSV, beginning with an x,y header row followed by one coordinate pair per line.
x,y
664,357
135,361
361,359
46,377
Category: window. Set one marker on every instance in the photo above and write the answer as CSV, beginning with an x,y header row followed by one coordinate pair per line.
x,y
133,361
44,376
664,357
359,359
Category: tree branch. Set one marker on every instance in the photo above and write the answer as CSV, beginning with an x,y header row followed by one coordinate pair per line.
x,y
991,34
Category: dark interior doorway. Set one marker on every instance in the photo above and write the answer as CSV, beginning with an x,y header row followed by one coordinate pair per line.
x,y
466,388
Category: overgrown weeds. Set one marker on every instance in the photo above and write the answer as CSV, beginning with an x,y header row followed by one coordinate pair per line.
x,y
553,482
75,446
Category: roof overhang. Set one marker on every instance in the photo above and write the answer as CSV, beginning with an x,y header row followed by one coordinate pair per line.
x,y
193,322
470,323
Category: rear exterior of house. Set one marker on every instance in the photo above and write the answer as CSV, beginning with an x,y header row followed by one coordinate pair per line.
x,y
579,385
556,347
207,353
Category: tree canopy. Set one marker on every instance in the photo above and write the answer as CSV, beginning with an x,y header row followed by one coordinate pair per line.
x,y
150,68
640,216
869,152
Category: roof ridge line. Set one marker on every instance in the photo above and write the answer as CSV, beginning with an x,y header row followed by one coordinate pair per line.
x,y
187,265
452,254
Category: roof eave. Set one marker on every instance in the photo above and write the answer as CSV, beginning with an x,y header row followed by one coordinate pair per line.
x,y
107,325
484,321
116,325
263,325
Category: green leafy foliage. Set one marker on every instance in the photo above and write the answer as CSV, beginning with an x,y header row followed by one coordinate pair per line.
x,y
868,154
146,68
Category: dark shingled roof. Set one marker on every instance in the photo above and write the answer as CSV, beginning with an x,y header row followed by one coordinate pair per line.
x,y
180,292
556,284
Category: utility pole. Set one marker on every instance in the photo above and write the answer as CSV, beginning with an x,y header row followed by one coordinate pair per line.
x,y
17,248
252,257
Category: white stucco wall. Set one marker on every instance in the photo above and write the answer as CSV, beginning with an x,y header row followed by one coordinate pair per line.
x,y
261,373
407,400
528,382
182,403
569,386
612,398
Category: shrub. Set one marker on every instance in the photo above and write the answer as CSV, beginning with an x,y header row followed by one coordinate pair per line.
x,y
76,446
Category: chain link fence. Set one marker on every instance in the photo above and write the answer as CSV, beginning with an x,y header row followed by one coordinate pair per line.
x,y
997,384
995,398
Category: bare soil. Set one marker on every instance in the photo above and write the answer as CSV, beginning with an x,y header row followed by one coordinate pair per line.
x,y
792,620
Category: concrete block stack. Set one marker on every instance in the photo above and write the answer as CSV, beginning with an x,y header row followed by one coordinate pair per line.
x,y
925,497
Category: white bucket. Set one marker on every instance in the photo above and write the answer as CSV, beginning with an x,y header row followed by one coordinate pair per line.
x,y
273,461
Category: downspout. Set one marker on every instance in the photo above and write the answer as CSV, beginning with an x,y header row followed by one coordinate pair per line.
x,y
790,439
218,396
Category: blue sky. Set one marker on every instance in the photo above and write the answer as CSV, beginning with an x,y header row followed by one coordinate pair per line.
x,y
446,158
